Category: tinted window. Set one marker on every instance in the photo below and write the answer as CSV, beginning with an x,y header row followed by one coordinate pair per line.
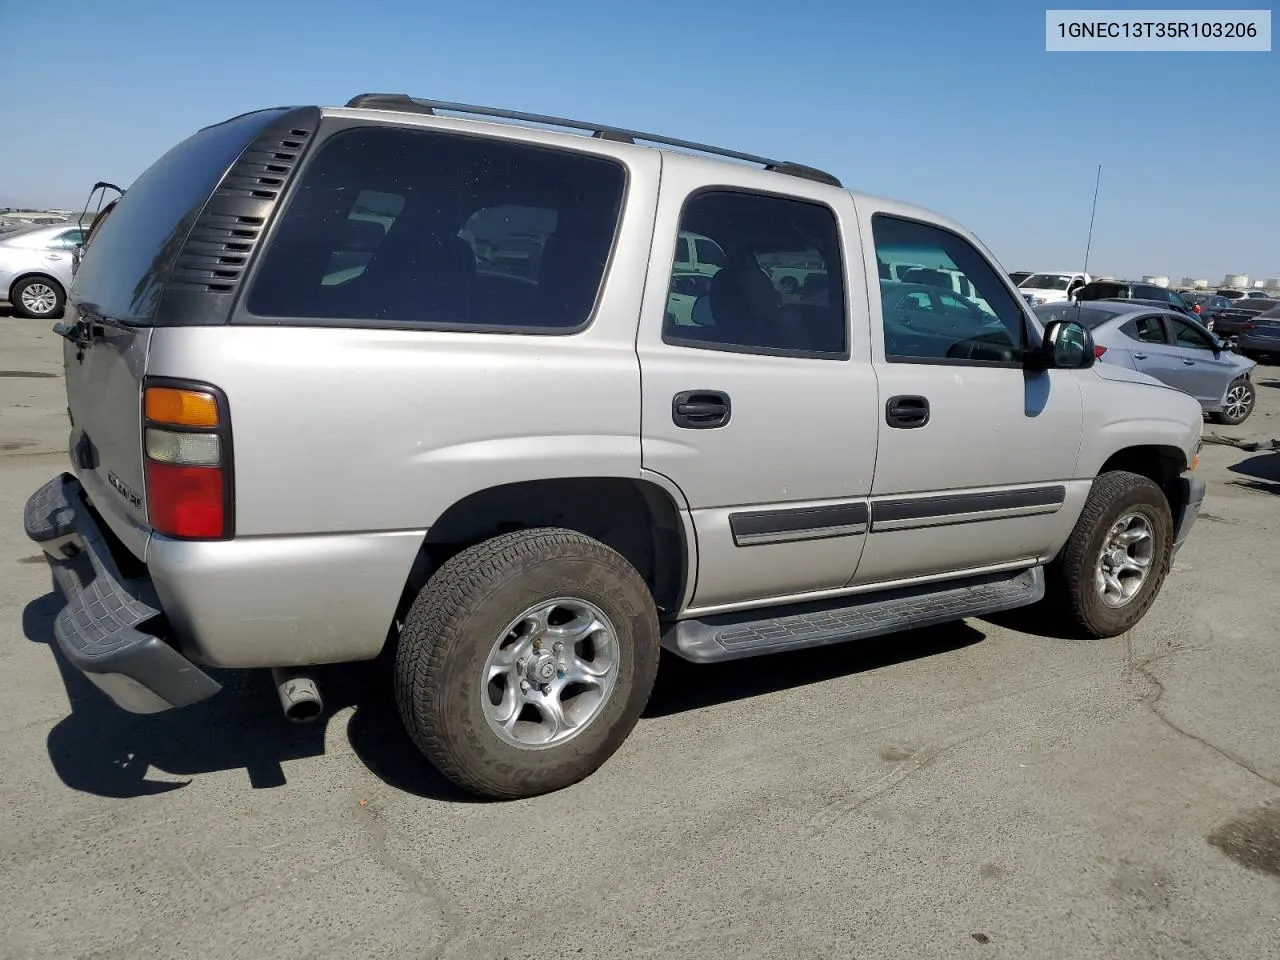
x,y
474,232
1088,316
743,309
1102,290
67,240
124,270
1146,329
682,250
987,327
1187,335
709,254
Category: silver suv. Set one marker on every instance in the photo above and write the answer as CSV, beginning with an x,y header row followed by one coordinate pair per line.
x,y
406,375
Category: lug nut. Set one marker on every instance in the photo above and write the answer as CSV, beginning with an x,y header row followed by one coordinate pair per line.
x,y
524,686
559,647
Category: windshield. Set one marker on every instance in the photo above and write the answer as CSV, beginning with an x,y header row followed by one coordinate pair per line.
x,y
1090,317
1046,281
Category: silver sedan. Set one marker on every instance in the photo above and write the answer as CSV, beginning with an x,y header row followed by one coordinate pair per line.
x,y
1169,346
35,268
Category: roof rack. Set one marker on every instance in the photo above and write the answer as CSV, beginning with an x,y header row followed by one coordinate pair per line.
x,y
404,102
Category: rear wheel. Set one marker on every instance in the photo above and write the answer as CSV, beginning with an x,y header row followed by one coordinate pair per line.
x,y
38,298
1238,403
1111,570
525,662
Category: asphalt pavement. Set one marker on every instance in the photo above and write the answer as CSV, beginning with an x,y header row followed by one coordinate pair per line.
x,y
972,791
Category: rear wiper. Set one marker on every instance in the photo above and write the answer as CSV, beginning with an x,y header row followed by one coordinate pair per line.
x,y
80,332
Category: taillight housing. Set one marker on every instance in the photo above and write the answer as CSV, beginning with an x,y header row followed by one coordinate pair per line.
x,y
1098,351
186,445
1195,308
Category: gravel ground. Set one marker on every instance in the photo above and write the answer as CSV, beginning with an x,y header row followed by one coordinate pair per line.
x,y
967,791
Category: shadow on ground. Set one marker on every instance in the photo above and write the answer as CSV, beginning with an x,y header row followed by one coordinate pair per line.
x,y
1263,471
102,750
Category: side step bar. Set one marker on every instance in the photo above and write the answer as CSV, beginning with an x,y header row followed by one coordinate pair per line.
x,y
750,633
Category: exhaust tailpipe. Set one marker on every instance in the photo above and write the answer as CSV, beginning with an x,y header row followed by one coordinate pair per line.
x,y
299,695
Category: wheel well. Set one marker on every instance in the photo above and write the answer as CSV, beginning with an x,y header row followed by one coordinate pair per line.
x,y
35,276
1161,465
634,517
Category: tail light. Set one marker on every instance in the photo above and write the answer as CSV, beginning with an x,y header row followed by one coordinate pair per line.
x,y
1195,308
186,430
1248,326
1098,351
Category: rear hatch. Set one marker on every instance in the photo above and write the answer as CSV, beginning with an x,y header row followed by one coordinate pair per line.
x,y
121,299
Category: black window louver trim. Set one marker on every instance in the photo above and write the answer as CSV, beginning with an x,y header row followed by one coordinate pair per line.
x,y
227,232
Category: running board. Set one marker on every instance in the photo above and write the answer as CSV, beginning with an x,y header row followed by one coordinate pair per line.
x,y
750,633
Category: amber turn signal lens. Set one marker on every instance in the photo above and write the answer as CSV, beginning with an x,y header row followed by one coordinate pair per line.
x,y
181,408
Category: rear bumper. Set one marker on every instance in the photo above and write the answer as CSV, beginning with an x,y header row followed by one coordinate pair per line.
x,y
102,629
1251,340
1192,498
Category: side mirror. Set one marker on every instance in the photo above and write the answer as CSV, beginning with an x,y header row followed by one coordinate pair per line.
x,y
1067,345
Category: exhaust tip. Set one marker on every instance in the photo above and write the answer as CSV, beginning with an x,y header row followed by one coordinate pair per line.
x,y
299,696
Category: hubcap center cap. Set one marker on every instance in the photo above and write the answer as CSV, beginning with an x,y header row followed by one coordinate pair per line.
x,y
541,668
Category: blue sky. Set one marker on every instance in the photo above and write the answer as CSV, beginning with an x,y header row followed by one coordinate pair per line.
x,y
952,105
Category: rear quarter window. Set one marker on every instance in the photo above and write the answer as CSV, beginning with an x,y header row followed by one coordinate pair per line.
x,y
411,227
124,270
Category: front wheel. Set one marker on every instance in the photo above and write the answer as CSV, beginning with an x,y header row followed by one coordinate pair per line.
x,y
1110,571
1238,403
525,662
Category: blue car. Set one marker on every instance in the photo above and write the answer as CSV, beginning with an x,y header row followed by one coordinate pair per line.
x,y
1169,346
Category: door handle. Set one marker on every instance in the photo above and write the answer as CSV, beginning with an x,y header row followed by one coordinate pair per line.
x,y
701,409
906,412
1139,356
1189,363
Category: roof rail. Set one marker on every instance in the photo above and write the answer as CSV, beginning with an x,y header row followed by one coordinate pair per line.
x,y
408,104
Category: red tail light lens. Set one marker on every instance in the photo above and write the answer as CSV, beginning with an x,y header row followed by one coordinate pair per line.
x,y
187,446
1098,351
186,502
1248,326
1196,308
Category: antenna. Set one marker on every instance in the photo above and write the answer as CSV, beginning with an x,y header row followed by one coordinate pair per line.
x,y
1089,244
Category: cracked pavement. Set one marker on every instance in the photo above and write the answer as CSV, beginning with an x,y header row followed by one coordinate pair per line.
x,y
972,790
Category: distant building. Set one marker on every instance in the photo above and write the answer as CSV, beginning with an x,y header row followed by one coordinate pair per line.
x,y
1273,283
1196,283
1236,281
1158,281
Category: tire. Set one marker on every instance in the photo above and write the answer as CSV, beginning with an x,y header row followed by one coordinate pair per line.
x,y
1240,400
38,298
473,605
1074,575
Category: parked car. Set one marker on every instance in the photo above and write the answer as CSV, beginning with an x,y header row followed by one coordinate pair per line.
x,y
1208,307
1169,346
1239,317
1258,295
35,269
1052,287
1017,276
1260,337
1134,290
1230,293
522,488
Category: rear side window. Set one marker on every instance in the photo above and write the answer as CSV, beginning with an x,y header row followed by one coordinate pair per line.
x,y
776,277
410,227
1103,291
133,251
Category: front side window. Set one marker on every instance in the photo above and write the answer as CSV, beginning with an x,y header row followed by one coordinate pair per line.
x,y
423,227
1185,335
779,289
986,327
682,251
